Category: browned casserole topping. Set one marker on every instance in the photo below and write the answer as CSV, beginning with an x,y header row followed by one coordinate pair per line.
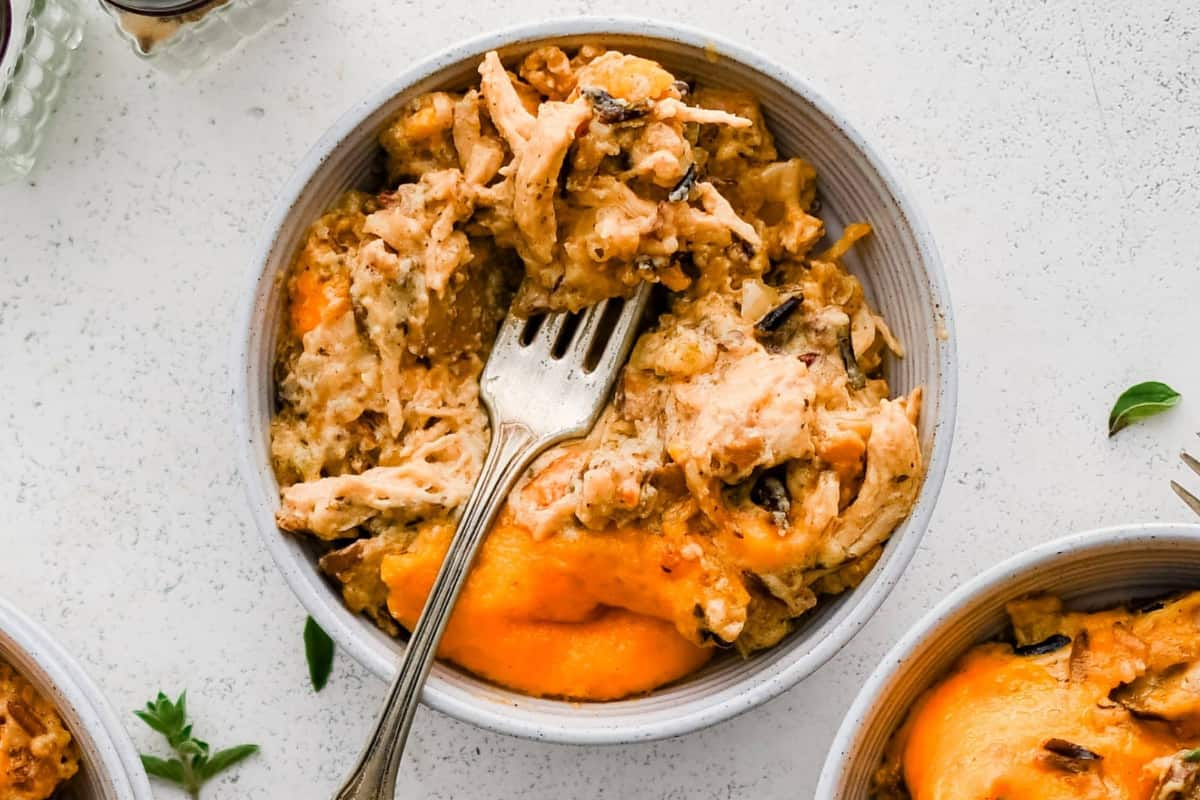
x,y
36,751
751,459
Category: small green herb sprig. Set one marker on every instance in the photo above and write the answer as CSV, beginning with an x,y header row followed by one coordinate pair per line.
x,y
193,764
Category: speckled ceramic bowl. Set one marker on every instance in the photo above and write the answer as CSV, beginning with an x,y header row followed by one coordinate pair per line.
x,y
898,266
109,767
1092,570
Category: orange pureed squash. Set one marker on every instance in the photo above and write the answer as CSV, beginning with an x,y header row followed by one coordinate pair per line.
x,y
1111,710
588,619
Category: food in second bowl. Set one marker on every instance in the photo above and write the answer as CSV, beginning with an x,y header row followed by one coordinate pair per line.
x,y
1097,706
36,750
751,459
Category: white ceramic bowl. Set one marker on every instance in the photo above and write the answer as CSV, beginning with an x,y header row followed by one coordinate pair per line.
x,y
1092,570
109,767
898,265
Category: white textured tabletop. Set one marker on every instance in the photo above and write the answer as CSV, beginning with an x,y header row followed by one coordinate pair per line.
x,y
1054,147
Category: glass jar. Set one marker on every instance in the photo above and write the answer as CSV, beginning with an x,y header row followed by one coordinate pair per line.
x,y
184,35
38,39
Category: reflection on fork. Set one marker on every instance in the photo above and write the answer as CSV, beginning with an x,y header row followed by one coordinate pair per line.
x,y
1192,501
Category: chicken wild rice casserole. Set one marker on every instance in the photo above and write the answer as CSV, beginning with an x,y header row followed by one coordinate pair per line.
x,y
37,753
1077,706
751,460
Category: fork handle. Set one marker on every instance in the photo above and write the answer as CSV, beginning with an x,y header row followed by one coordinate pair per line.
x,y
512,449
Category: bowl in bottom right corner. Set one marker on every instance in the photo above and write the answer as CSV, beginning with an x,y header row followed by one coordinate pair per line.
x,y
1089,571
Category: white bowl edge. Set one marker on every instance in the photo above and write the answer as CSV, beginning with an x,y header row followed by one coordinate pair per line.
x,y
104,743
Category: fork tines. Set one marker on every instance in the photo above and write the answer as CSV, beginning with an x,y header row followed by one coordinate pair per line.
x,y
1192,501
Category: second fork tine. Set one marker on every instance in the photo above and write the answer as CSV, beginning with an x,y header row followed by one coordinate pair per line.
x,y
1191,461
1187,497
509,335
587,327
550,328
621,337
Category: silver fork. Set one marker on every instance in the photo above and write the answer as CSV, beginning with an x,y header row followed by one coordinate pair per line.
x,y
1192,501
543,383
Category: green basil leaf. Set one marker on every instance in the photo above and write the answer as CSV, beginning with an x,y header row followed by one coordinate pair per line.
x,y
318,648
224,759
171,770
1193,756
1141,401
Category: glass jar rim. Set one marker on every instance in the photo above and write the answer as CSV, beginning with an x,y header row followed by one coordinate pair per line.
x,y
6,25
156,8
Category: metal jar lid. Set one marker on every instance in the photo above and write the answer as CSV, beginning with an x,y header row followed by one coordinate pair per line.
x,y
156,8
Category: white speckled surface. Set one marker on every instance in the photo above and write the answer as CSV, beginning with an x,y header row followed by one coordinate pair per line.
x,y
1054,149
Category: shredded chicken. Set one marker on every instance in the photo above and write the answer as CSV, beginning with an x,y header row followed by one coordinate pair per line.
x,y
751,447
480,153
674,109
504,105
537,167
